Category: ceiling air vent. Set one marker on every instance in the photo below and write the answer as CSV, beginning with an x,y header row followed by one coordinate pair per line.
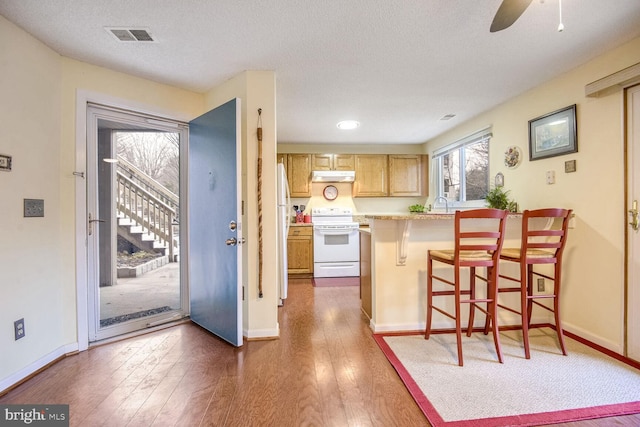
x,y
130,34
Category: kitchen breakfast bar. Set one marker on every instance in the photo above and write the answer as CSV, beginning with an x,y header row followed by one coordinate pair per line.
x,y
397,270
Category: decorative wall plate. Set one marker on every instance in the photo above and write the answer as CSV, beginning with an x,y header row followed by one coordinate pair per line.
x,y
512,157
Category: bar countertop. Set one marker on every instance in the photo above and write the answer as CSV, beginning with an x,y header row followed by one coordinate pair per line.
x,y
424,216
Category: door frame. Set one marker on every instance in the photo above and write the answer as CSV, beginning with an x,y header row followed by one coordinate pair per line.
x,y
632,283
83,98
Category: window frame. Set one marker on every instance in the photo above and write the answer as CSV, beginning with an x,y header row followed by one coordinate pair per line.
x,y
460,146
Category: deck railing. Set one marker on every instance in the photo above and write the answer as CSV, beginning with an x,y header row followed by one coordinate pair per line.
x,y
148,203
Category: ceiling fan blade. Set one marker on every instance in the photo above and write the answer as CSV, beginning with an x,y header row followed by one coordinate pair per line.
x,y
508,13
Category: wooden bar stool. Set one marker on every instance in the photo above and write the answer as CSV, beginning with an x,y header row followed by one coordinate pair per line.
x,y
479,234
541,244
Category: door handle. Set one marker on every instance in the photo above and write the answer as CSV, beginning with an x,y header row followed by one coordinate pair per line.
x,y
91,221
635,224
233,242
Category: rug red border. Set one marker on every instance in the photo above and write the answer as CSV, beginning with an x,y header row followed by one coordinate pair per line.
x,y
518,420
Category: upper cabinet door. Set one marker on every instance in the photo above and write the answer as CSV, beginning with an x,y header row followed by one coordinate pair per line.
x,y
371,175
408,175
332,162
344,162
299,174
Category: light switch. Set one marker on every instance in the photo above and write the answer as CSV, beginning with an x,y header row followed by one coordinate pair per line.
x,y
551,177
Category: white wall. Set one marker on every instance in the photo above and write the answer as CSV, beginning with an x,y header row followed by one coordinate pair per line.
x,y
30,248
593,292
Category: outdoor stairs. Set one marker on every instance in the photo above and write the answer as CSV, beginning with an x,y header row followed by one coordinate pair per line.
x,y
138,236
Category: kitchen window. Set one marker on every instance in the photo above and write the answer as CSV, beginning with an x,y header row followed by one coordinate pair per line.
x,y
462,170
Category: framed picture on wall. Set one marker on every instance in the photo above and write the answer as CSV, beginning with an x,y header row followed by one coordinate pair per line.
x,y
553,134
5,163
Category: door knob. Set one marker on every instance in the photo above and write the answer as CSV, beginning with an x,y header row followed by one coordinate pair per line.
x,y
231,242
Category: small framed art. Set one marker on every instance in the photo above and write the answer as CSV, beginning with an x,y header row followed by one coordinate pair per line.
x,y
5,163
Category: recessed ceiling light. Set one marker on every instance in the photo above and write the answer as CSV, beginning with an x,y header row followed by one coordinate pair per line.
x,y
348,124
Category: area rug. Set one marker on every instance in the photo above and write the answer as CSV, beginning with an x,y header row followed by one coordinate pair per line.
x,y
548,388
335,281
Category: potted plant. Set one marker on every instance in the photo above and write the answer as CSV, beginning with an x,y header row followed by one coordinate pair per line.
x,y
498,198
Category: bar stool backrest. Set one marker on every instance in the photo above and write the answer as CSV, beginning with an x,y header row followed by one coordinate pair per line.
x,y
544,244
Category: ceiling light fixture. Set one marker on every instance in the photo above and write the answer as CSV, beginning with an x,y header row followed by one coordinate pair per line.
x,y
348,124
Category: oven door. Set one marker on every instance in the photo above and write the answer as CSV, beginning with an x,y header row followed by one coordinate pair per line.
x,y
336,243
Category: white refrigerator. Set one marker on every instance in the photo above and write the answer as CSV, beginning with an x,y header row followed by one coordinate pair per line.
x,y
284,219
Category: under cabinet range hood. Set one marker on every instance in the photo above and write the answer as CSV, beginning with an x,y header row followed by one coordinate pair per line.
x,y
333,176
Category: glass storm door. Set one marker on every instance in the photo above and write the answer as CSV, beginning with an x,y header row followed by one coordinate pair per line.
x,y
133,222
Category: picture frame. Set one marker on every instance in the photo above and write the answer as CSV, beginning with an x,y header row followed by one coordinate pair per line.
x,y
5,163
553,134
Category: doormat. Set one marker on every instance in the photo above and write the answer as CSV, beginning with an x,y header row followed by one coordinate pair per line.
x,y
126,317
335,281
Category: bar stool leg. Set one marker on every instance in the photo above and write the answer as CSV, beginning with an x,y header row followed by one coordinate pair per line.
x,y
492,307
457,311
556,307
526,276
472,296
429,297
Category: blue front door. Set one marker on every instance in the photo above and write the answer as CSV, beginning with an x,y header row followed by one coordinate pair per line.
x,y
215,284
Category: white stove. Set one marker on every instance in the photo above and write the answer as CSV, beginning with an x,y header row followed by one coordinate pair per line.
x,y
336,243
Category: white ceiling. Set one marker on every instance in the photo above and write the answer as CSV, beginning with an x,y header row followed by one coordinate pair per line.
x,y
397,66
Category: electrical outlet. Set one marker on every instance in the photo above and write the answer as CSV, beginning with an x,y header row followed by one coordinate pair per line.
x,y
18,329
540,285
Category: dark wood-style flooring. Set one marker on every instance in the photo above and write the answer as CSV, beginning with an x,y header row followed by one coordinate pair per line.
x,y
325,370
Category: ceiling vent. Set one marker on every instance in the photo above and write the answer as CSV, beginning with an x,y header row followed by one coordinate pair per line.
x,y
130,34
448,117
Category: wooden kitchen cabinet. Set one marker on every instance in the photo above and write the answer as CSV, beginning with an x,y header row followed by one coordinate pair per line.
x,y
332,162
371,175
298,173
408,175
300,250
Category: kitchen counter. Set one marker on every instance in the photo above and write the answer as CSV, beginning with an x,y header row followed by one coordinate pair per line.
x,y
425,216
302,224
398,266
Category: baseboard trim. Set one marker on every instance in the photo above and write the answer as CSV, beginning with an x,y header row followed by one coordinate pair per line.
x,y
12,381
262,334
